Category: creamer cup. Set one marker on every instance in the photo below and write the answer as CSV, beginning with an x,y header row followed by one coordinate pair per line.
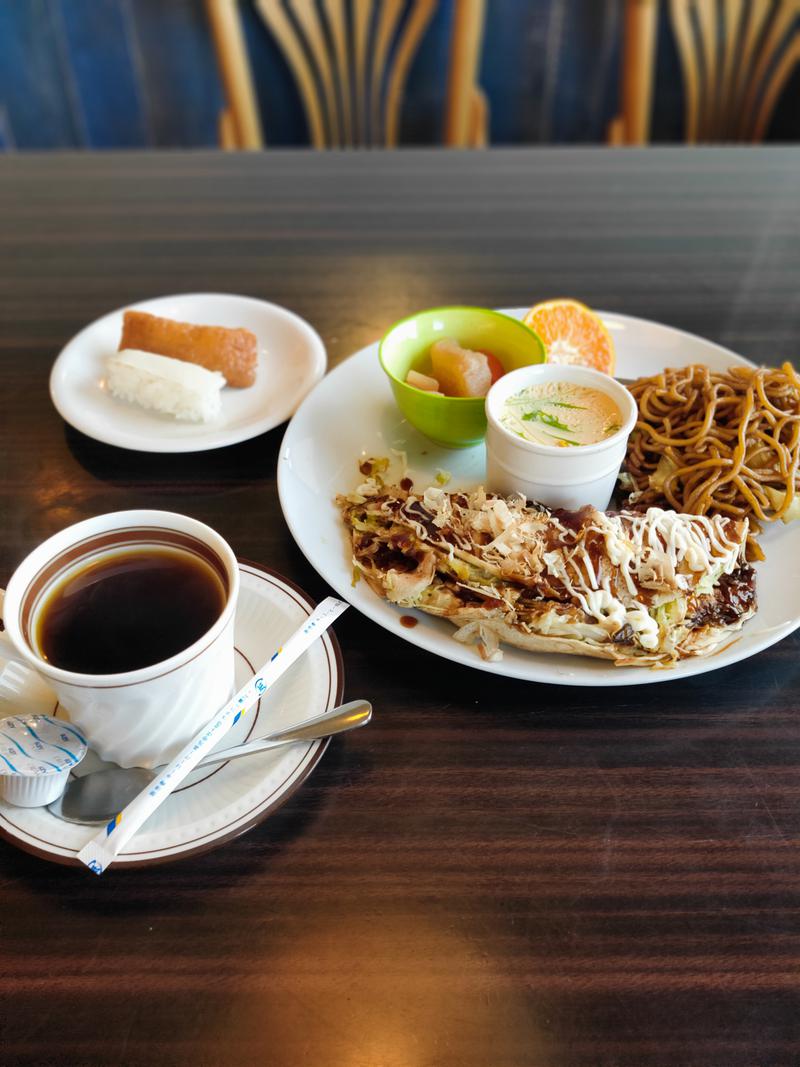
x,y
37,753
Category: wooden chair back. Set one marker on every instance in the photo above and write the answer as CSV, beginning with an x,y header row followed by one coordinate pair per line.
x,y
736,58
350,61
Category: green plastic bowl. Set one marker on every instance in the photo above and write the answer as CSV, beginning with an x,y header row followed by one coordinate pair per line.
x,y
452,421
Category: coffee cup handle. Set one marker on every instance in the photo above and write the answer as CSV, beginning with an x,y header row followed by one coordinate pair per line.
x,y
22,689
8,650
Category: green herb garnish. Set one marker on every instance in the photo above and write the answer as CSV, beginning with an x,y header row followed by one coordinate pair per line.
x,y
538,415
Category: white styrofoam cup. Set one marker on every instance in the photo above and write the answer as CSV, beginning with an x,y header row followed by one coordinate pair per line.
x,y
548,474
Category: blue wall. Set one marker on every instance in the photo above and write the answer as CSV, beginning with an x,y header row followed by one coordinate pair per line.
x,y
141,73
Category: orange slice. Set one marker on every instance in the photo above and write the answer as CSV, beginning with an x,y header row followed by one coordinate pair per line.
x,y
572,333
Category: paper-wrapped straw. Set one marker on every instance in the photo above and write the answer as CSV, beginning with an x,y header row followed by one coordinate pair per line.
x,y
105,846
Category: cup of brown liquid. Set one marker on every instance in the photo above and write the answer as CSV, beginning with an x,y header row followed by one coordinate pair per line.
x,y
129,618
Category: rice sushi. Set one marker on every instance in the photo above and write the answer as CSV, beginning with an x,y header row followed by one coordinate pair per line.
x,y
168,386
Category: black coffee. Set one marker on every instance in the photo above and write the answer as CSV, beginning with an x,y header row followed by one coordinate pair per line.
x,y
129,610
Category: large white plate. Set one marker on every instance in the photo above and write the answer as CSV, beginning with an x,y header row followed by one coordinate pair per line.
x,y
219,803
352,414
291,360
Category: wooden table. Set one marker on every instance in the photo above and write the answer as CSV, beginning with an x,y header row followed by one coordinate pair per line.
x,y
494,873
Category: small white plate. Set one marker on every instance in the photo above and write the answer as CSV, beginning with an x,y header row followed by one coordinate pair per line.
x,y
291,360
351,414
218,803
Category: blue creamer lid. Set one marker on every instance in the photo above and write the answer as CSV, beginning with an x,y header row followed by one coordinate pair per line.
x,y
37,752
38,744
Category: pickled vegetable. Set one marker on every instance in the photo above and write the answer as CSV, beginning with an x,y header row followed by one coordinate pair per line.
x,y
422,381
460,371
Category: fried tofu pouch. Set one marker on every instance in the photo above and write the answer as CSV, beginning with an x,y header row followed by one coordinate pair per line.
x,y
232,352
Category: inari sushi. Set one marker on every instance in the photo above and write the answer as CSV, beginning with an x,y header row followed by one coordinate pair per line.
x,y
158,383
232,352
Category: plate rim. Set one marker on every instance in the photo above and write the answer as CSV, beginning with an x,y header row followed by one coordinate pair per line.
x,y
217,842
189,445
601,681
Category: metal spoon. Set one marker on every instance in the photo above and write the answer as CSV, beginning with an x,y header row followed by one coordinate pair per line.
x,y
95,798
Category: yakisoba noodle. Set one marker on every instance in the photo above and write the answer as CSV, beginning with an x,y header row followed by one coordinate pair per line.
x,y
720,443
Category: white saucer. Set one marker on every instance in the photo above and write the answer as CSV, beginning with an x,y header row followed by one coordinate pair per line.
x,y
291,359
220,802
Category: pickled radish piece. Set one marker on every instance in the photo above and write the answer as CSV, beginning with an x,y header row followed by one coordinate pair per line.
x,y
422,381
460,371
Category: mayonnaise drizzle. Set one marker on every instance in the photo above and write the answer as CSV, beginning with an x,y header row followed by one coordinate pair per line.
x,y
649,551
662,552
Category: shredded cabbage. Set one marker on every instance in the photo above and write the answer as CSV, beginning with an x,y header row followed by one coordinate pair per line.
x,y
777,497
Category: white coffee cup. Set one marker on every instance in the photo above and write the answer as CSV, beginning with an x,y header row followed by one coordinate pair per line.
x,y
141,717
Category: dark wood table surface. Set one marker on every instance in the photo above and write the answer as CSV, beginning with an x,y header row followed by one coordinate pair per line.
x,y
493,873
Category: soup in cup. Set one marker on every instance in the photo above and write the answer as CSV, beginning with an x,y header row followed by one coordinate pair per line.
x,y
557,434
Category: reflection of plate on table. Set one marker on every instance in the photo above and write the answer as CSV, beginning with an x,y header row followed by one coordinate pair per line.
x,y
351,414
220,802
291,359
